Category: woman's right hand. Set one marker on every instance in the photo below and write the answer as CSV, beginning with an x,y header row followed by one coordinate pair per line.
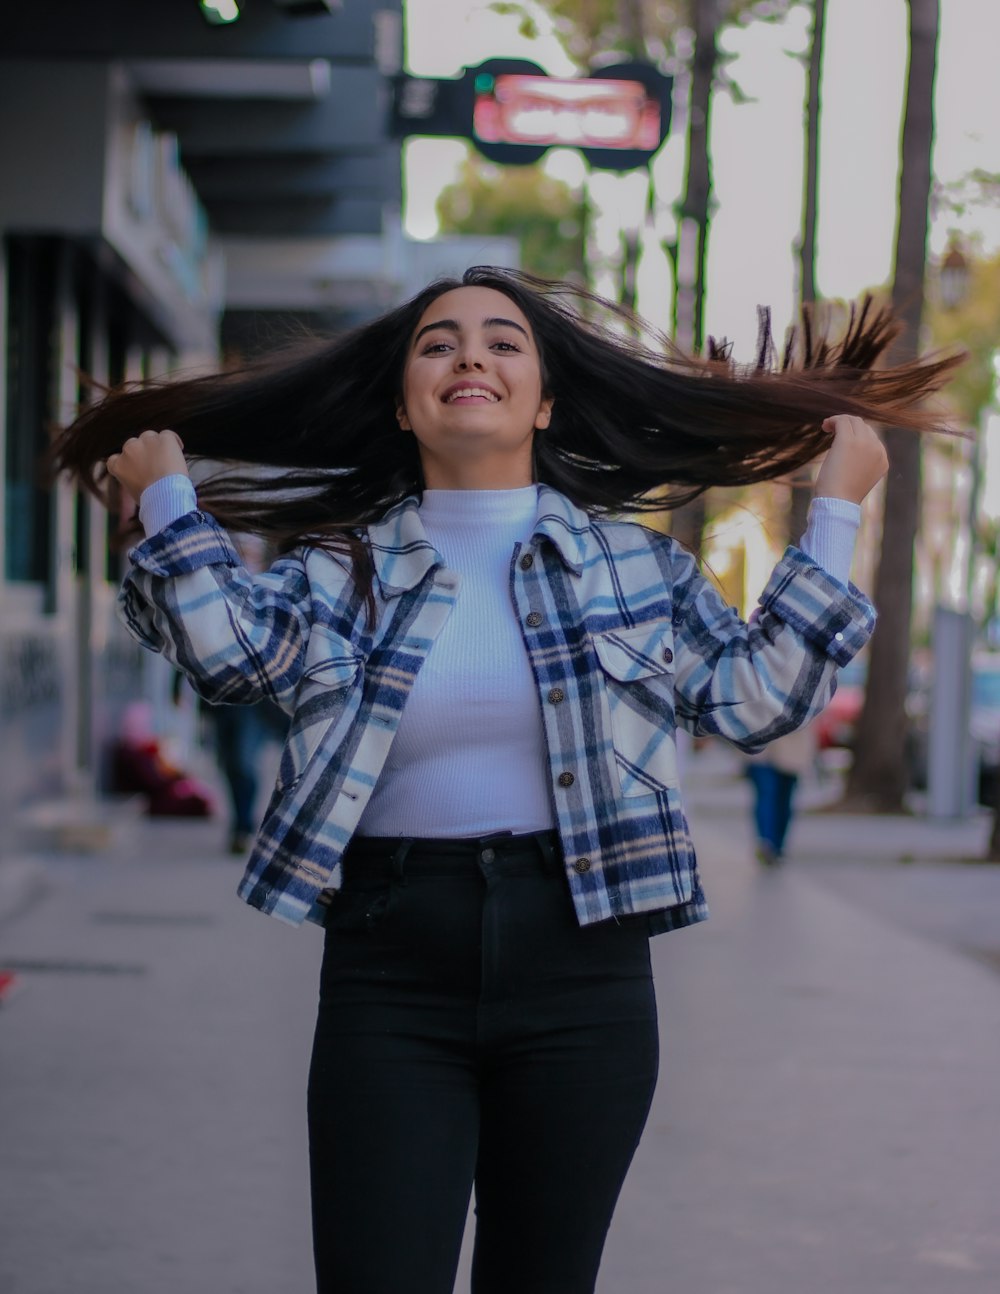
x,y
146,458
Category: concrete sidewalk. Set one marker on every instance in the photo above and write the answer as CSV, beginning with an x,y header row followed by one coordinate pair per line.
x,y
826,1120
827,1117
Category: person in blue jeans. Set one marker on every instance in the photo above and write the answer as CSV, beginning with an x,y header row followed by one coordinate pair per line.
x,y
774,775
240,734
486,668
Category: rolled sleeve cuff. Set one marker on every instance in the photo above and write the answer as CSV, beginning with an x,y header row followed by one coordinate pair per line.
x,y
165,500
188,544
835,618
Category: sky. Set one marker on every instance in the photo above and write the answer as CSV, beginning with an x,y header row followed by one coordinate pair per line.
x,y
757,147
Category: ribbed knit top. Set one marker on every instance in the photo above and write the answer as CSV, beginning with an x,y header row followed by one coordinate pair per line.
x,y
469,756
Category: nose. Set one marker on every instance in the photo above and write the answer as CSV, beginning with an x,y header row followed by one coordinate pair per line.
x,y
469,357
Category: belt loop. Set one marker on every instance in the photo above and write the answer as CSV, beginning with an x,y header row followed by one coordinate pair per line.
x,y
546,847
398,859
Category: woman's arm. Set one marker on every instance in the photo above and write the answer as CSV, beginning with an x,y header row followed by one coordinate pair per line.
x,y
238,637
750,682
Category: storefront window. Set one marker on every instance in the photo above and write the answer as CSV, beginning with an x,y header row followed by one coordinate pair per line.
x,y
31,347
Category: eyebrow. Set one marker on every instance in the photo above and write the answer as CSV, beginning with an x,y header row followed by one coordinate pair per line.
x,y
452,325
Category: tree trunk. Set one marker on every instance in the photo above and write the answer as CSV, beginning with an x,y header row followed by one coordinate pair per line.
x,y
878,776
631,21
691,253
696,206
800,493
810,204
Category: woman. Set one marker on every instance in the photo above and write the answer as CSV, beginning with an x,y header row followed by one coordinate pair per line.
x,y
478,795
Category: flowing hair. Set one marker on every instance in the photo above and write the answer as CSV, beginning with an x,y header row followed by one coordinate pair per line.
x,y
311,448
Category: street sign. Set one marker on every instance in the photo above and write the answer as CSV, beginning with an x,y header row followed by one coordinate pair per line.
x,y
617,117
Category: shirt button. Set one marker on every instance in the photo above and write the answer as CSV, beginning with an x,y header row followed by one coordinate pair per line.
x,y
556,694
533,619
839,637
581,866
566,779
527,561
668,655
488,855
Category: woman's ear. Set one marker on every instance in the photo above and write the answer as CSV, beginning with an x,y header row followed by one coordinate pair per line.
x,y
402,419
544,415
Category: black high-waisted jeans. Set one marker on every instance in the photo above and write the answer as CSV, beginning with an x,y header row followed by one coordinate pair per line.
x,y
471,1032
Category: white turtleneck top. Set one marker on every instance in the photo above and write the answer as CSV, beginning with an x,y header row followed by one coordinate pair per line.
x,y
469,757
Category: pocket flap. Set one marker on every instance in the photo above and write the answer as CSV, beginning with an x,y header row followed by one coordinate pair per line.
x,y
330,662
640,652
338,671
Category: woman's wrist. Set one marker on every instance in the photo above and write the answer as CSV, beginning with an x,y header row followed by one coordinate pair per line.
x,y
831,534
165,500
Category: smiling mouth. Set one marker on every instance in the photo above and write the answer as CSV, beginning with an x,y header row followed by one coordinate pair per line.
x,y
472,393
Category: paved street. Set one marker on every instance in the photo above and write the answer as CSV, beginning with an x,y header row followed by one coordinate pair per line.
x,y
827,1119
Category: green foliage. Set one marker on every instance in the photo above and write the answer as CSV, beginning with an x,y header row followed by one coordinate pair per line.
x,y
973,325
544,214
590,30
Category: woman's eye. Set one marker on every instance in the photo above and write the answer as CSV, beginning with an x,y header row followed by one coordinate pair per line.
x,y
505,345
435,348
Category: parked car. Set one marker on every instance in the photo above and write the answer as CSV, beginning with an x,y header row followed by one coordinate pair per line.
x,y
984,722
836,725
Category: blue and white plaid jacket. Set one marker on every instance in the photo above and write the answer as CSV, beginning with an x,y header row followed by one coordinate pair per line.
x,y
626,639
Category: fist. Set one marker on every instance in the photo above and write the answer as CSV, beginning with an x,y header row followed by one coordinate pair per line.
x,y
146,458
854,463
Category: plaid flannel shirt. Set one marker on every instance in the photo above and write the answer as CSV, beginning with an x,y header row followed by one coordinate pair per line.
x,y
627,641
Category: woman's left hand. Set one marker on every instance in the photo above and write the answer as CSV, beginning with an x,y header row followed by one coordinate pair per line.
x,y
854,463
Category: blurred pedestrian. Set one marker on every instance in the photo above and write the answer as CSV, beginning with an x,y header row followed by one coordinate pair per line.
x,y
478,796
774,775
240,733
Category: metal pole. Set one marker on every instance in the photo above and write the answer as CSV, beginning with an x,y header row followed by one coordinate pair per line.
x,y
949,750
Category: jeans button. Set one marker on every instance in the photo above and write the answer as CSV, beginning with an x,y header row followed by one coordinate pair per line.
x,y
488,855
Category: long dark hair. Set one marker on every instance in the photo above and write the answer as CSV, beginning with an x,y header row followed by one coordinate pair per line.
x,y
318,450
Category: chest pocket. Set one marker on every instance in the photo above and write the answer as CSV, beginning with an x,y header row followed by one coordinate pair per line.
x,y
637,676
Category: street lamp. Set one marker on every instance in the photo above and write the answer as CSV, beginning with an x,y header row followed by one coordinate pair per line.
x,y
953,276
219,12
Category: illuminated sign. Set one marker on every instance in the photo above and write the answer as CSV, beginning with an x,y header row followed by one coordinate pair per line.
x,y
568,114
617,116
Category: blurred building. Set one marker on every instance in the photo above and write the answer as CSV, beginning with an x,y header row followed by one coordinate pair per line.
x,y
170,186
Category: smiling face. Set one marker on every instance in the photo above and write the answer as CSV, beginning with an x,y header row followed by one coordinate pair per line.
x,y
472,391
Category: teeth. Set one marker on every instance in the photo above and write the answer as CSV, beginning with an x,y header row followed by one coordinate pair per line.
x,y
472,390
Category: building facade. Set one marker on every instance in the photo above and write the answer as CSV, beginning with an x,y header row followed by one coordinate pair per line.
x,y
169,187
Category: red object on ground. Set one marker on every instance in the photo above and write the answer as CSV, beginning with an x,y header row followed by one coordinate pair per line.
x,y
139,766
9,983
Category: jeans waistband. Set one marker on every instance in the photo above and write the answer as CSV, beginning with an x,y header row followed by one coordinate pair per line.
x,y
374,856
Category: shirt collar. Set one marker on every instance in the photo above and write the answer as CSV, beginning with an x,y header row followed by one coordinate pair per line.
x,y
403,554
